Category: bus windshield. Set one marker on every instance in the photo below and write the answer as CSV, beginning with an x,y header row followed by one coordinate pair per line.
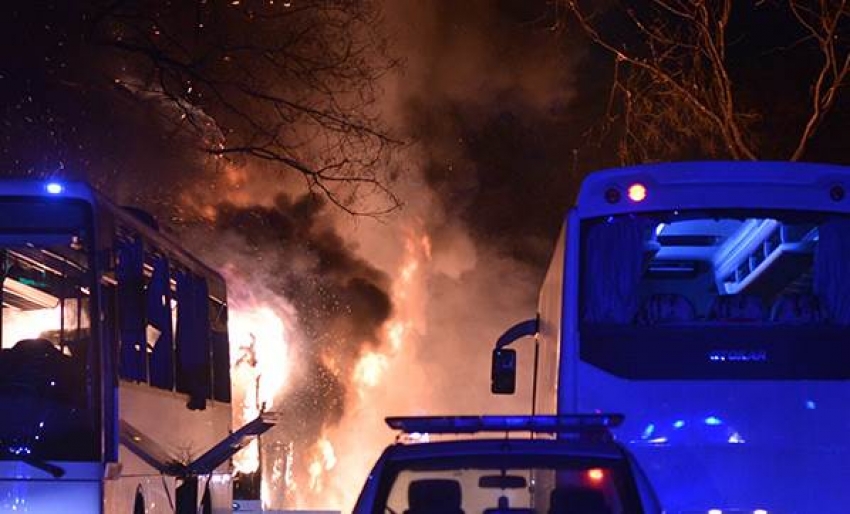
x,y
717,294
47,371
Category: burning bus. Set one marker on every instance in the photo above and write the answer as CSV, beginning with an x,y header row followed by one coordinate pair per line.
x,y
114,368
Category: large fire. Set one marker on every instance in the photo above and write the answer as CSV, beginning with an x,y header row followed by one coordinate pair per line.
x,y
338,460
260,365
359,438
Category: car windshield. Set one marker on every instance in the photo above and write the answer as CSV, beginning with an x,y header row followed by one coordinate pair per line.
x,y
511,483
47,373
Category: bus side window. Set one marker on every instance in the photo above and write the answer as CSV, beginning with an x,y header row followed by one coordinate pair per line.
x,y
160,338
220,351
193,339
831,273
131,310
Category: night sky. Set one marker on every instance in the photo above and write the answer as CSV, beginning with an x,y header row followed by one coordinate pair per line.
x,y
279,126
503,100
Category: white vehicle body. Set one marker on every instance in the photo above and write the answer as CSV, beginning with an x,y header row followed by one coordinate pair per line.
x,y
114,365
709,302
584,471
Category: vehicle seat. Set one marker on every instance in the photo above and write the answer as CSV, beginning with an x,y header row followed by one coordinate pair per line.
x,y
577,500
434,496
798,308
665,308
737,308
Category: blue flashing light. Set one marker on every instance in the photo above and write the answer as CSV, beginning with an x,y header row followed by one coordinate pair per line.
x,y
54,188
576,423
713,421
648,431
811,405
679,423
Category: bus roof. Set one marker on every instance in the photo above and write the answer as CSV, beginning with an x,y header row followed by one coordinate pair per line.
x,y
47,189
78,190
715,184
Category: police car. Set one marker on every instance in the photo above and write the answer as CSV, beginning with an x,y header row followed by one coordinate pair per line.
x,y
524,465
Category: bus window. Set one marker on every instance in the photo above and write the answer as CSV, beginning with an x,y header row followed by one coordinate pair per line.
x,y
131,309
159,335
220,350
173,333
764,281
193,339
48,371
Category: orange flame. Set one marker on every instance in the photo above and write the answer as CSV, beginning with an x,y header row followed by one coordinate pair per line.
x,y
369,370
261,342
260,367
338,485
324,460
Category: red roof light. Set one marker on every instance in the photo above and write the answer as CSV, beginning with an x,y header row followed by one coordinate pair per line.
x,y
595,475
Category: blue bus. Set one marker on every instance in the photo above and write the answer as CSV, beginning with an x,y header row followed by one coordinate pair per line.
x,y
114,364
710,303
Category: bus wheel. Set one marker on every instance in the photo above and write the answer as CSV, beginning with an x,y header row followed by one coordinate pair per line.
x,y
139,504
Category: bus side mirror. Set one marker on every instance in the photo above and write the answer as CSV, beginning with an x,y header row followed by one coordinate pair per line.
x,y
503,372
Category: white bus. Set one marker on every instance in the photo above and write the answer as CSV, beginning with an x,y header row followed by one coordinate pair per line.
x,y
710,303
114,367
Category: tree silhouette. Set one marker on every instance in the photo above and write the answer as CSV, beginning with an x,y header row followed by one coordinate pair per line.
x,y
686,72
291,84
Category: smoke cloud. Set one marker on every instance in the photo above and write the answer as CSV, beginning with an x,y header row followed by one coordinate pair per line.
x,y
388,316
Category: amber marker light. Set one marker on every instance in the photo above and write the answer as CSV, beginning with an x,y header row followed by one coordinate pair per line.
x,y
637,192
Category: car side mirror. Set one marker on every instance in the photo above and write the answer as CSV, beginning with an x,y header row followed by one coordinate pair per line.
x,y
503,371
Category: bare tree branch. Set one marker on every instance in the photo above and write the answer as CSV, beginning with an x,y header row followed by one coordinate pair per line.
x,y
822,23
685,59
673,94
289,83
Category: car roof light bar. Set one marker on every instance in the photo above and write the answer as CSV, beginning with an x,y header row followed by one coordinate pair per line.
x,y
575,423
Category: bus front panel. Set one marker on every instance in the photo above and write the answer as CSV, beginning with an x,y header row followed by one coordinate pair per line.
x,y
722,334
